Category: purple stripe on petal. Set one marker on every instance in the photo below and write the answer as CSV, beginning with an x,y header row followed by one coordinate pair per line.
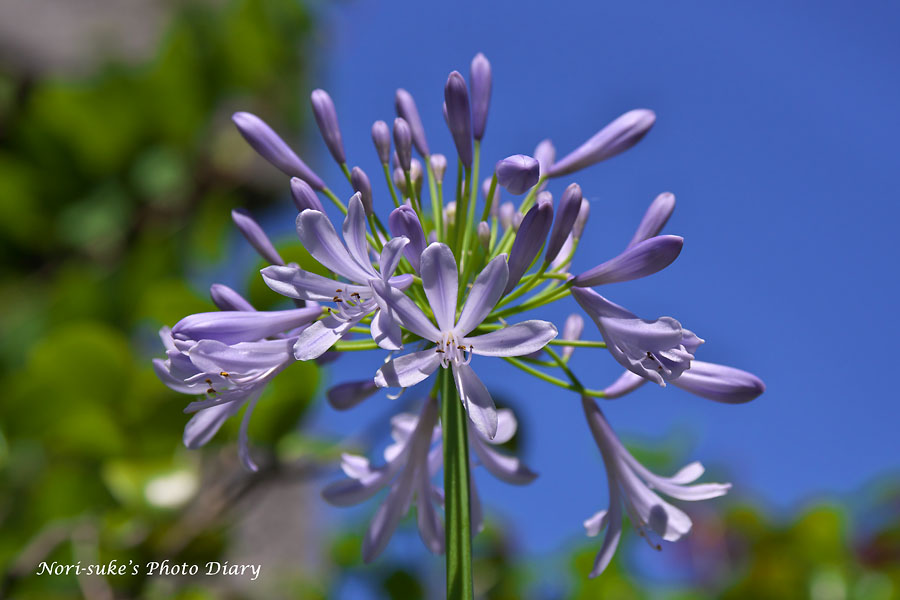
x,y
321,240
404,221
720,383
655,218
569,207
410,315
480,79
205,423
409,369
531,236
476,399
231,327
459,117
640,260
516,340
440,281
391,255
618,136
254,234
484,295
304,196
326,119
518,173
319,337
406,108
294,282
271,147
354,230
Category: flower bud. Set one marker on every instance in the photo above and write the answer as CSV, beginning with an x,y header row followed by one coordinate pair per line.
x,y
406,108
345,396
403,221
403,143
438,166
583,213
381,137
271,147
720,383
484,235
569,207
615,138
517,173
545,154
572,330
450,212
326,119
480,78
360,182
304,196
506,213
640,260
531,236
251,230
226,298
459,117
493,201
655,218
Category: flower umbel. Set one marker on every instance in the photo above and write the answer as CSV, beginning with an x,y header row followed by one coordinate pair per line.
x,y
451,277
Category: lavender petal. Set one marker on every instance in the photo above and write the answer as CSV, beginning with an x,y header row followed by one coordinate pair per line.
x,y
517,173
569,207
531,236
254,234
640,260
271,147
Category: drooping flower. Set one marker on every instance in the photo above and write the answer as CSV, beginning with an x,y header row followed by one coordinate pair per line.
x,y
411,463
633,488
712,381
659,350
454,347
353,300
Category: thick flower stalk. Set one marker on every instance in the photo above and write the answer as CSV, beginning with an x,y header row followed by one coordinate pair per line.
x,y
430,272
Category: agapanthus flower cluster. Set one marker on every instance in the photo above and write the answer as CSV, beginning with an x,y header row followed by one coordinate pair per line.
x,y
436,274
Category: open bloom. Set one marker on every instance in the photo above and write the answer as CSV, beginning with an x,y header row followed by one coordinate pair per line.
x,y
453,346
659,350
411,462
353,300
226,357
631,486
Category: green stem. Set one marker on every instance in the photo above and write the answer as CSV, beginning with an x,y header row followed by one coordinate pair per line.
x,y
335,199
577,343
436,202
390,183
456,492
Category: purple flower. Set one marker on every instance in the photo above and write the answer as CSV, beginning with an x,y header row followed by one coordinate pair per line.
x,y
480,78
453,346
304,196
720,383
657,350
545,154
404,222
381,137
615,138
439,166
572,330
233,326
406,108
642,259
459,118
403,142
493,201
271,147
634,488
531,236
226,298
517,173
360,182
254,234
413,459
326,119
654,219
347,395
353,300
569,207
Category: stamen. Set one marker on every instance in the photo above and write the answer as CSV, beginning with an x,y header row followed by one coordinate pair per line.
x,y
224,374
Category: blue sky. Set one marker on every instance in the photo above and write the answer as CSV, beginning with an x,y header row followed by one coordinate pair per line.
x,y
777,128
